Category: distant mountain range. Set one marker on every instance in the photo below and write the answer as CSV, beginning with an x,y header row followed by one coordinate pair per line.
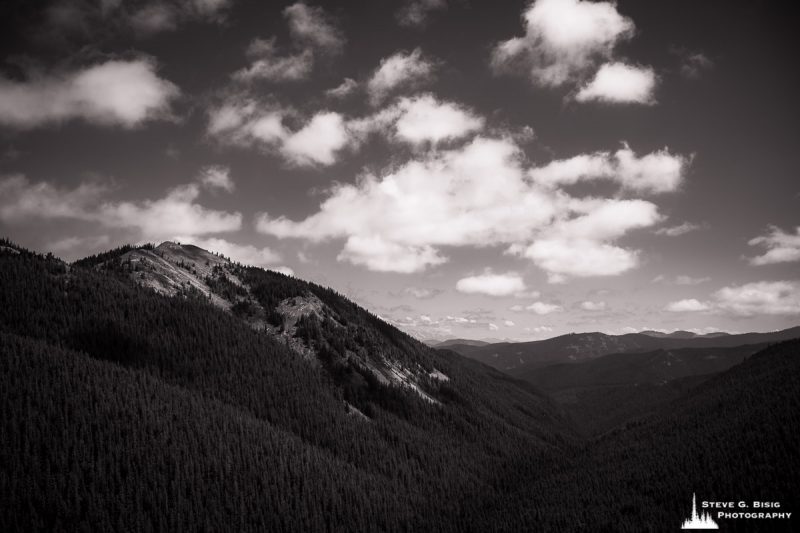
x,y
169,388
514,356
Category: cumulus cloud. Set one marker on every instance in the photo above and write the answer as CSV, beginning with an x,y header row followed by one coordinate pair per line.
x,y
593,306
688,305
344,89
217,177
760,298
313,27
543,308
492,284
421,293
177,213
479,194
680,229
750,299
269,64
317,142
656,172
418,120
401,70
246,254
114,93
782,247
415,13
563,40
244,122
312,33
619,83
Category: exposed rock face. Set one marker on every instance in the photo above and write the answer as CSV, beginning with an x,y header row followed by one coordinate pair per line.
x,y
174,269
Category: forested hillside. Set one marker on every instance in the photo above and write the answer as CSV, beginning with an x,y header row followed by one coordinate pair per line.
x,y
125,408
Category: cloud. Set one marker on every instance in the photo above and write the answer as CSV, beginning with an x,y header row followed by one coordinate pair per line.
x,y
312,33
782,247
424,119
543,308
508,323
88,19
344,89
593,306
397,71
680,229
114,93
415,13
618,83
244,122
313,27
380,255
492,284
177,213
688,305
217,177
656,172
688,280
477,195
70,244
317,142
563,40
421,293
693,64
269,65
760,298
246,254
493,327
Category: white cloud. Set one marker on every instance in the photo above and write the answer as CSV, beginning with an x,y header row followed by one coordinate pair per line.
x,y
492,284
397,71
177,213
619,83
312,33
385,256
120,93
508,323
493,327
415,13
424,119
246,254
244,122
313,27
344,89
688,305
680,229
70,244
217,177
782,247
760,298
656,172
318,141
476,195
694,64
563,39
543,308
593,306
421,293
268,64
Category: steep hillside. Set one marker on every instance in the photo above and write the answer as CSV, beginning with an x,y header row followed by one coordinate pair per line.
x,y
514,357
128,408
731,438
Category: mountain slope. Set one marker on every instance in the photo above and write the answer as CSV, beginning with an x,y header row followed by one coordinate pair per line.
x,y
731,438
167,369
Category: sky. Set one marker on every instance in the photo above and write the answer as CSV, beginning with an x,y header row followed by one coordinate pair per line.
x,y
461,168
